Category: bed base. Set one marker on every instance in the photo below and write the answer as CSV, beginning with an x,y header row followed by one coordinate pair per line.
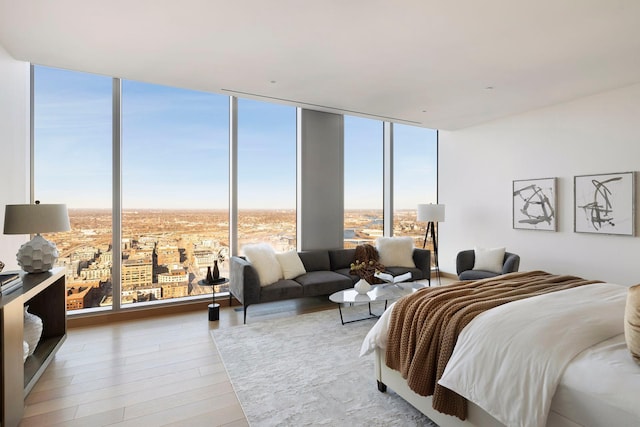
x,y
476,416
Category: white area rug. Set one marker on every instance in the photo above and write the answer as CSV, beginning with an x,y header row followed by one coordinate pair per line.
x,y
305,370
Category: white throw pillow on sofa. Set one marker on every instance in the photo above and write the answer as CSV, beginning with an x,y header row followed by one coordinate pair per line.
x,y
263,258
396,251
291,264
489,259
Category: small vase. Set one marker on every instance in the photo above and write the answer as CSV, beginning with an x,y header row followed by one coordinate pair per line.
x,y
32,330
209,278
362,287
216,272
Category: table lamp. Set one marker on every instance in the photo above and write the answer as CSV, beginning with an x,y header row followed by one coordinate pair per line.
x,y
38,254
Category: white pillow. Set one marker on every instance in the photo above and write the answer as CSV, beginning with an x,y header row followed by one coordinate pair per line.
x,y
291,264
263,258
396,251
489,259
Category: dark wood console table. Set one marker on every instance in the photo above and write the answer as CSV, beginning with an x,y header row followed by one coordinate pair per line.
x,y
45,294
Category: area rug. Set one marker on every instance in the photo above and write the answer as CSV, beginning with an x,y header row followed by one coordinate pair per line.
x,y
304,370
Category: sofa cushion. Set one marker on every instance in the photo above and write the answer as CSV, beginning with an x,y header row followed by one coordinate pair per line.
x,y
396,251
347,272
315,260
280,290
341,258
263,258
323,282
291,264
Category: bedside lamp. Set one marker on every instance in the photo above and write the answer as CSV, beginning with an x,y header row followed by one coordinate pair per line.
x,y
431,213
38,254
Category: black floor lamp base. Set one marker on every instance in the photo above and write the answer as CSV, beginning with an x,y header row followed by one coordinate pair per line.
x,y
432,228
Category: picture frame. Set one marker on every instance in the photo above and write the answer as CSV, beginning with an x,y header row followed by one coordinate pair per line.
x,y
604,203
534,204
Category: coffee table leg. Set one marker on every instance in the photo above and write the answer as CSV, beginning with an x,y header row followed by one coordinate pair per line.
x,y
371,315
340,310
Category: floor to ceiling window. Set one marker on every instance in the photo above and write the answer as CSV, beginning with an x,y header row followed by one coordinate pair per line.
x,y
363,181
266,174
174,191
415,157
72,122
175,183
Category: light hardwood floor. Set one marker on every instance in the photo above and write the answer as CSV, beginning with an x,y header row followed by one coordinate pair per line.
x,y
157,371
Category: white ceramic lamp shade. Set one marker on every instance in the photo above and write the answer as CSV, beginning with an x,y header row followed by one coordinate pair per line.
x,y
38,254
431,212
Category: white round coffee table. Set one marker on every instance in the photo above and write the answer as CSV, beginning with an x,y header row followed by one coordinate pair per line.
x,y
383,292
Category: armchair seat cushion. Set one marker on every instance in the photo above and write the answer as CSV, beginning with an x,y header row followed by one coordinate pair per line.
x,y
476,275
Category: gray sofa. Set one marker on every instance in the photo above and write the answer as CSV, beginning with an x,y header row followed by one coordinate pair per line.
x,y
327,272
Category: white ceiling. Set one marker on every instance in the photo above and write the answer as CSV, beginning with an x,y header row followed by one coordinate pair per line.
x,y
442,64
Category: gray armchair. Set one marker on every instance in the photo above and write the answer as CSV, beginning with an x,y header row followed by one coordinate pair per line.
x,y
466,259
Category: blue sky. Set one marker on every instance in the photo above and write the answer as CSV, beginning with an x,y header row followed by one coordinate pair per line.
x,y
175,149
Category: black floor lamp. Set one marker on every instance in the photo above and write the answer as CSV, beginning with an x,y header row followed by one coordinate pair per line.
x,y
431,213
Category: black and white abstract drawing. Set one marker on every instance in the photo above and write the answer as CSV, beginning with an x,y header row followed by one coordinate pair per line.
x,y
605,204
534,204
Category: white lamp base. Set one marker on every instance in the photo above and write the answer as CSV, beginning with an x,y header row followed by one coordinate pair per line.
x,y
37,255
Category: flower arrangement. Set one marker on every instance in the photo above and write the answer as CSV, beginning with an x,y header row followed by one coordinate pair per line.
x,y
366,263
222,254
355,266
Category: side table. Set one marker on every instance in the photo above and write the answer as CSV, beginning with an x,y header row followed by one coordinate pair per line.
x,y
214,308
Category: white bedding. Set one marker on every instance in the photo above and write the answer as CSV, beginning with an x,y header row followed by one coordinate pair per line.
x,y
601,387
515,377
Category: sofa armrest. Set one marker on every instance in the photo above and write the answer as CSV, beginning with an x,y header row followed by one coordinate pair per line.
x,y
244,283
422,260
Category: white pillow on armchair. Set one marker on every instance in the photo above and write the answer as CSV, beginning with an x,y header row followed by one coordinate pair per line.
x,y
489,259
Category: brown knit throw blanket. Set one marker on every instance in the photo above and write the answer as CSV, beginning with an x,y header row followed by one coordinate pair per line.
x,y
366,263
424,327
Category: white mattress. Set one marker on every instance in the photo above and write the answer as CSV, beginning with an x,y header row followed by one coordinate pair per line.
x,y
600,387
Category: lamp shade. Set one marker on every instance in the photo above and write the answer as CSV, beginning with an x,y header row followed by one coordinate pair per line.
x,y
36,218
431,212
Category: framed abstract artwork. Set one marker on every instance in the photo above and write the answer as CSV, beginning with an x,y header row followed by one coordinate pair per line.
x,y
534,204
604,204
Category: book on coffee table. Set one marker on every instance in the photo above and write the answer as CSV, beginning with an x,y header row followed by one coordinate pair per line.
x,y
390,278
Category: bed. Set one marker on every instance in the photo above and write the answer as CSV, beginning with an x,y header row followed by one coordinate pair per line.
x,y
559,360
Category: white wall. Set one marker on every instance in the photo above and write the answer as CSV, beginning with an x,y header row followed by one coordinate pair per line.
x,y
597,134
14,146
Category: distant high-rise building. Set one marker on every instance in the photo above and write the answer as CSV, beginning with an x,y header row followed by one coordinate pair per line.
x,y
136,273
168,255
